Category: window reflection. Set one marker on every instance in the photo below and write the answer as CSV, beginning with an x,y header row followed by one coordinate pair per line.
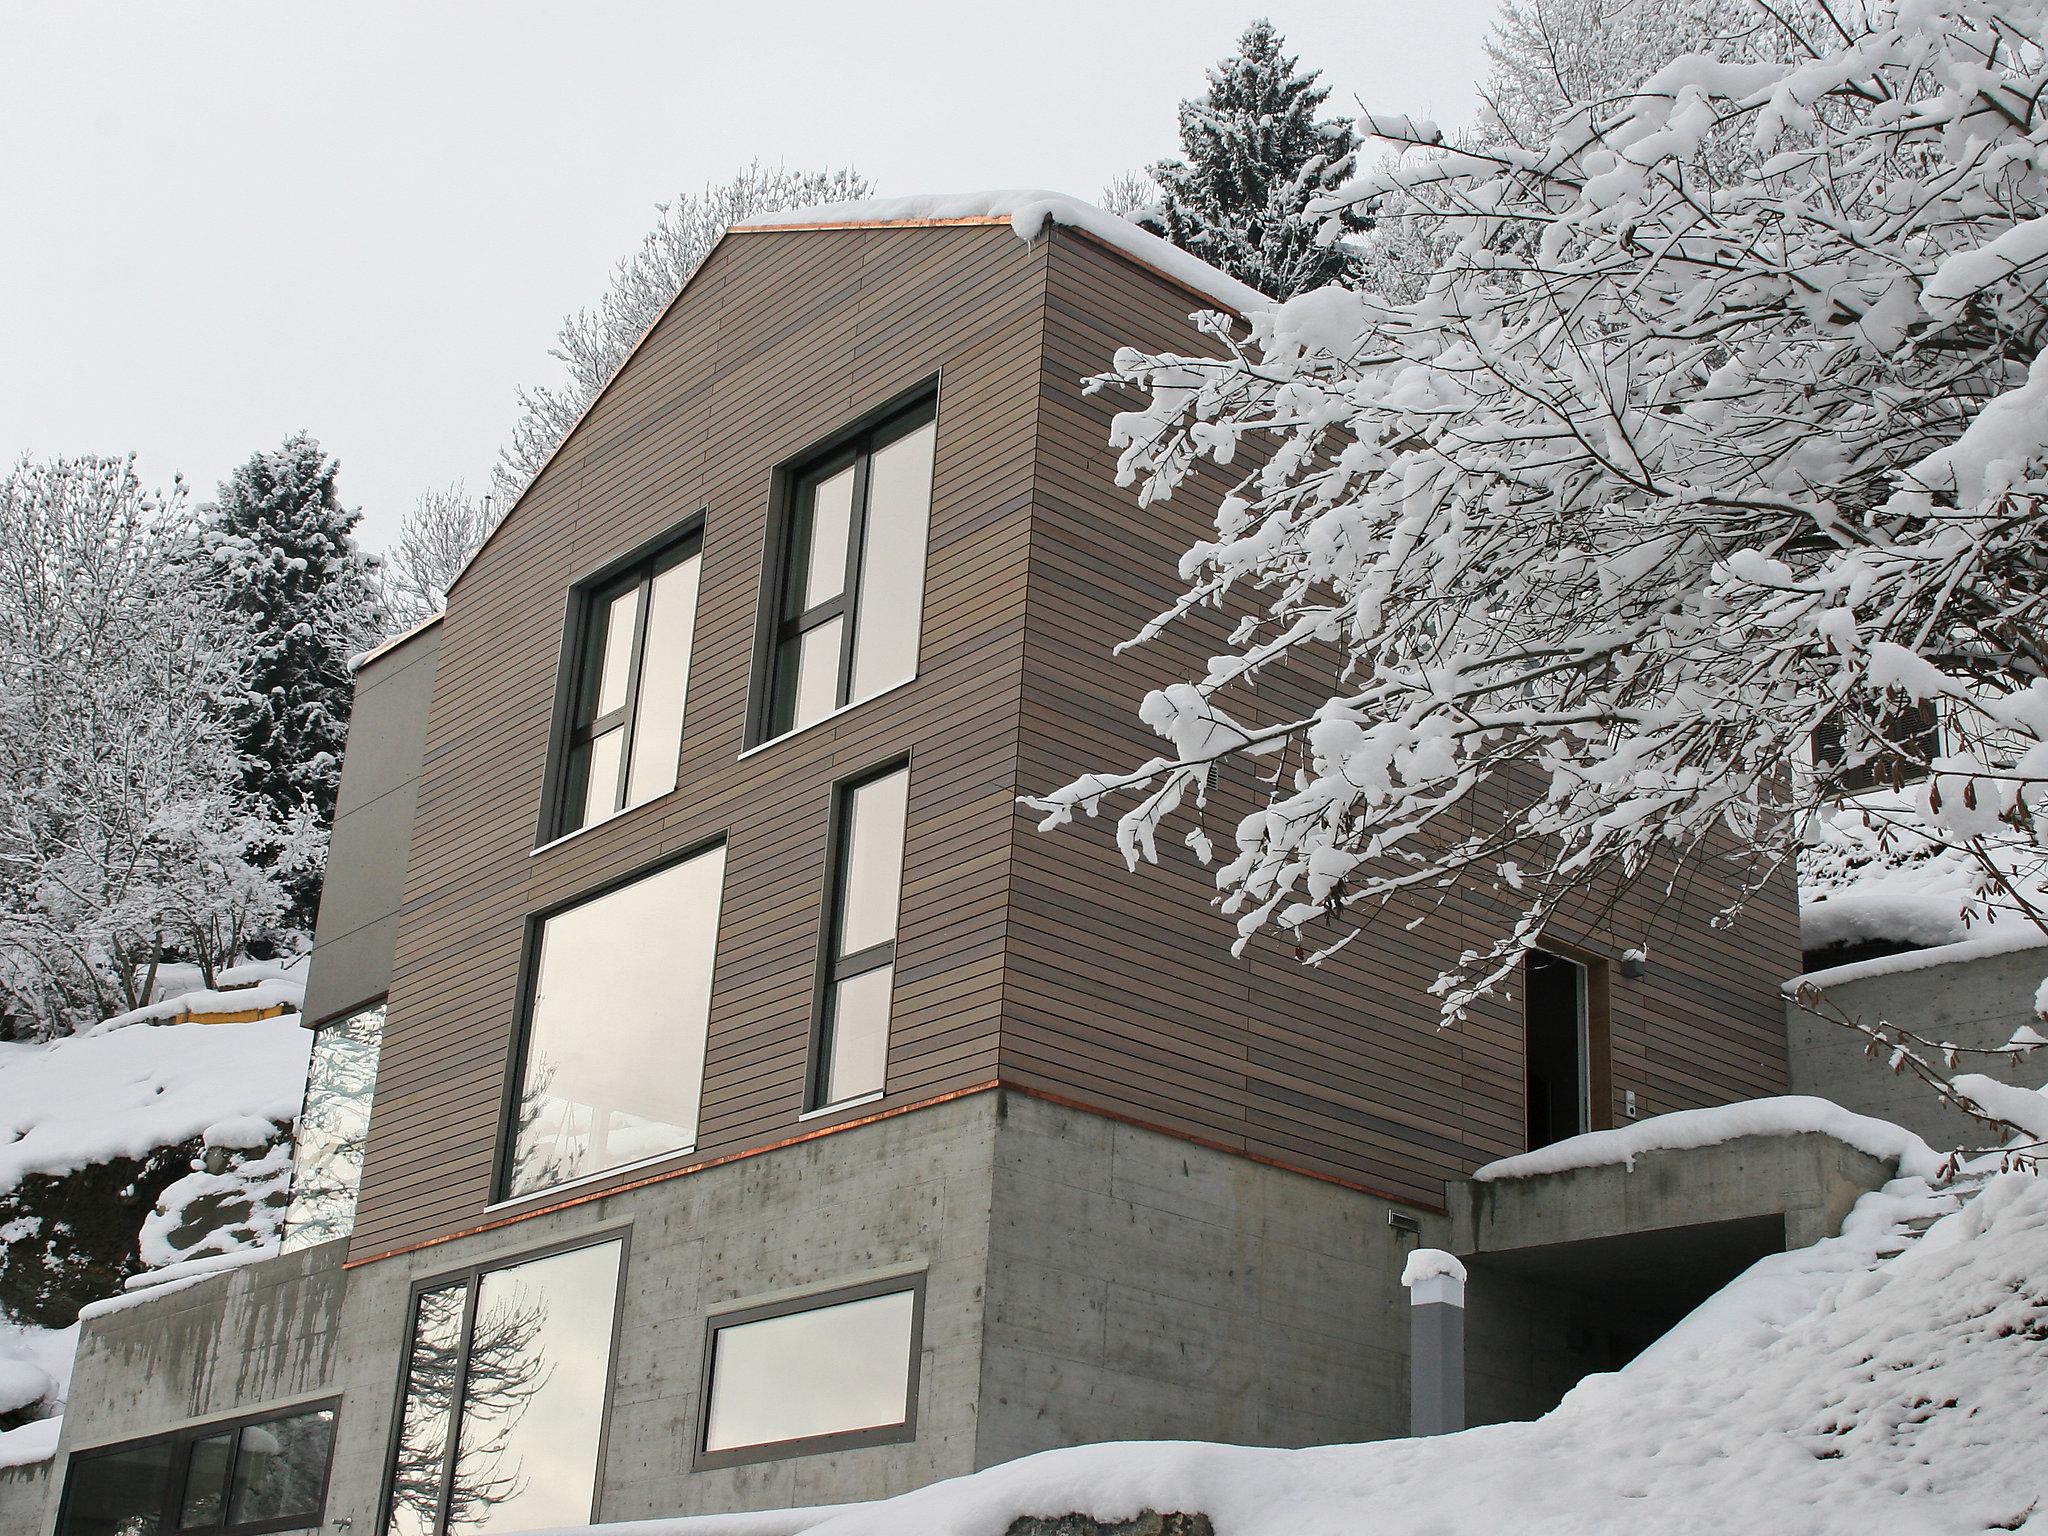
x,y
333,1129
828,1370
860,961
118,1493
254,1477
615,1038
281,1468
533,1379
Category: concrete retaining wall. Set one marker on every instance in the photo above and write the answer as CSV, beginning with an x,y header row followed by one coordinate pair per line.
x,y
1977,1002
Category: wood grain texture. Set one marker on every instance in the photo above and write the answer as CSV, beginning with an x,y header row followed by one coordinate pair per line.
x,y
1036,959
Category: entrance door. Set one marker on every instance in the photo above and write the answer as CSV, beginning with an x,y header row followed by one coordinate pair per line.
x,y
1556,1047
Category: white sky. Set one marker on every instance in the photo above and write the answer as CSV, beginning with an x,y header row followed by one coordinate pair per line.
x,y
226,223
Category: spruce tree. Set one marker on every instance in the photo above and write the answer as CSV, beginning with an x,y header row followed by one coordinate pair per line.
x,y
1256,157
280,549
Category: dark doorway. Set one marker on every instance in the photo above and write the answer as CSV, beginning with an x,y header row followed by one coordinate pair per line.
x,y
1556,1047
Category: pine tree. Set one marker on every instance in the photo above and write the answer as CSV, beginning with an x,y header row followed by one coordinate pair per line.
x,y
281,550
1256,157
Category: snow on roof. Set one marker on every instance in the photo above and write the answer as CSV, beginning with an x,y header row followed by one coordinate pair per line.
x,y
1027,211
357,663
1924,959
1787,1115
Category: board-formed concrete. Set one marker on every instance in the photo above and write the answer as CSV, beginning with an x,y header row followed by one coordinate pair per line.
x,y
1975,1001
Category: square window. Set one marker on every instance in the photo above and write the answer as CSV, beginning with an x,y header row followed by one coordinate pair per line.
x,y
828,1372
628,673
850,599
611,1063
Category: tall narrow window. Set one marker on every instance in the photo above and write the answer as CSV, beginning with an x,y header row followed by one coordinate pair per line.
x,y
613,1055
333,1129
504,1399
858,968
632,670
852,593
1557,1047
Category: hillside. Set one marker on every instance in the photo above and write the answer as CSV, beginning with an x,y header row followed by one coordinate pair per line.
x,y
139,1145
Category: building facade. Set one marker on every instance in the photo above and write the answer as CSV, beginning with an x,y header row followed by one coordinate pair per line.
x,y
764,1111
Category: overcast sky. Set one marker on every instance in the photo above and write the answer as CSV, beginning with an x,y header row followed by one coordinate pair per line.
x,y
225,223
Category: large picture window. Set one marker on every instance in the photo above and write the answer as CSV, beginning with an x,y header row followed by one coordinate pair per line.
x,y
824,1373
852,587
242,1477
612,1063
631,674
333,1128
857,970
503,1415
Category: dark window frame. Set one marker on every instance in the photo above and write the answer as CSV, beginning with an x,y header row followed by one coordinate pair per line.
x,y
578,670
833,967
470,1276
177,1483
702,1460
777,630
535,924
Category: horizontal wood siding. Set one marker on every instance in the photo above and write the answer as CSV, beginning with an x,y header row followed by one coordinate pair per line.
x,y
779,342
1121,991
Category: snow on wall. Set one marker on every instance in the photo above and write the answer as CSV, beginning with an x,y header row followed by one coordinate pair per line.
x,y
1029,211
1924,959
1788,1115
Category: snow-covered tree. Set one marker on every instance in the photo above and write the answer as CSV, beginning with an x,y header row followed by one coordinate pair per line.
x,y
280,549
592,343
125,834
1664,473
1130,194
1255,157
439,534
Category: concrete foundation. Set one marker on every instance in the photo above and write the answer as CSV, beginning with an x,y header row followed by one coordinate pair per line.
x,y
1976,1002
25,1502
1083,1280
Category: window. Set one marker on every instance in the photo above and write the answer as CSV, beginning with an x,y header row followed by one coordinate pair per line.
x,y
828,1372
240,1478
333,1129
506,1379
858,966
1558,1047
613,1058
630,669
852,589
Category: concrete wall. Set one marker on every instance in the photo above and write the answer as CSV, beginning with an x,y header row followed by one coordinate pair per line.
x,y
1142,1286
25,1500
366,860
1976,1002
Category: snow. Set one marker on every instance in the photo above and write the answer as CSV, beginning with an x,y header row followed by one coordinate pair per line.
x,y
125,1093
255,993
31,1443
1430,1264
1029,211
1872,1383
1923,959
1788,1115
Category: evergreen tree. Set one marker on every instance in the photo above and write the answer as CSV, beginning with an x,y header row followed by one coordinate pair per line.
x,y
1256,157
281,550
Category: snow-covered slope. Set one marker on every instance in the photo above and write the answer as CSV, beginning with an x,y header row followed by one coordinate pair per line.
x,y
111,1099
1869,1384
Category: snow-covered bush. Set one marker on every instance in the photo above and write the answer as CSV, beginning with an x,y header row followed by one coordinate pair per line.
x,y
1718,426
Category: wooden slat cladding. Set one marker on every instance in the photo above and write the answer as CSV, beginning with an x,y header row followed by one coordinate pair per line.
x,y
1035,958
778,343
1120,990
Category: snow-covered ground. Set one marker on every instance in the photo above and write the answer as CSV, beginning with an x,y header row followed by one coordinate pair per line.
x,y
1871,1385
126,1092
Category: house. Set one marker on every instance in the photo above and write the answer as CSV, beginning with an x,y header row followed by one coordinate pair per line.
x,y
724,1097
